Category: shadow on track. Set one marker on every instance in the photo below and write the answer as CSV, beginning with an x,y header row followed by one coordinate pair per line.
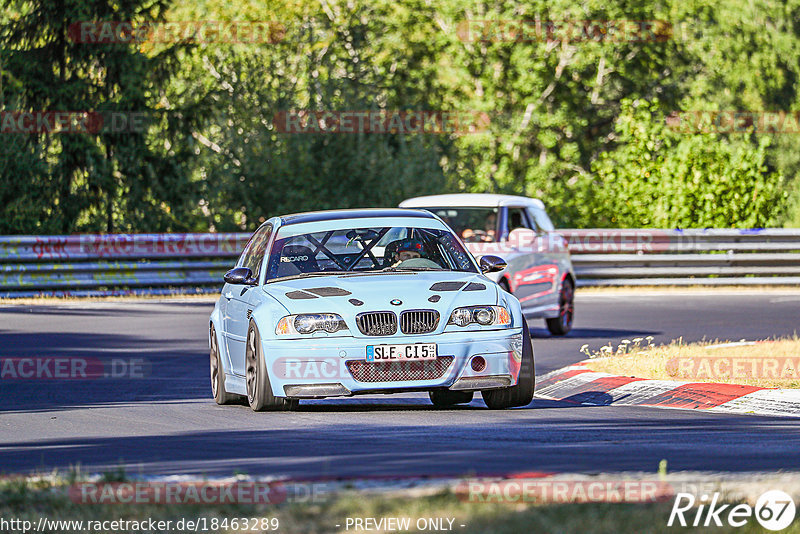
x,y
163,371
454,443
580,333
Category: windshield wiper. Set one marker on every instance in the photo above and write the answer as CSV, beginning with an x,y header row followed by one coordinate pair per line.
x,y
398,269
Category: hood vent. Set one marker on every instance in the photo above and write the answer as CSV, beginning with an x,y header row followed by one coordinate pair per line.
x,y
329,291
447,286
300,295
474,286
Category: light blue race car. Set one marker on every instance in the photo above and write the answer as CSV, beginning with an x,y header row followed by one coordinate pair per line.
x,y
341,303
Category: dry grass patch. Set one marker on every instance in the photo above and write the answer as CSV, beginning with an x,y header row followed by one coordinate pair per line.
x,y
768,363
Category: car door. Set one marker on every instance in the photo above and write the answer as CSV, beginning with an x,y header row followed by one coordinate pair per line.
x,y
238,297
532,273
553,248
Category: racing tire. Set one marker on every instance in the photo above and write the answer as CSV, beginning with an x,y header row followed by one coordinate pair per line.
x,y
522,393
441,398
259,390
561,325
218,372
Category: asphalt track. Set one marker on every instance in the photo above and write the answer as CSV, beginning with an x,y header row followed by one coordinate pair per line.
x,y
166,423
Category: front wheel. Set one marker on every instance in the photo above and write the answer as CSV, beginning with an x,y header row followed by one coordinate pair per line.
x,y
561,325
259,390
522,393
218,372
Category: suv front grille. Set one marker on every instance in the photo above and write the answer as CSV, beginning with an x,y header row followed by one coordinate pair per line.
x,y
419,321
377,323
399,371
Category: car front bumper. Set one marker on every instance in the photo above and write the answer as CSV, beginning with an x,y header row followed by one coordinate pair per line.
x,y
318,367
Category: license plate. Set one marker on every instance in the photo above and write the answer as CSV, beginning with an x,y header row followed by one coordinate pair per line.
x,y
395,353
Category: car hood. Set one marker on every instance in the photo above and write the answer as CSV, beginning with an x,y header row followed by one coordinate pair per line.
x,y
333,294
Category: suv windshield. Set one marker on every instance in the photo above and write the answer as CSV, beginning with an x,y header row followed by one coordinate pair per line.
x,y
474,225
369,249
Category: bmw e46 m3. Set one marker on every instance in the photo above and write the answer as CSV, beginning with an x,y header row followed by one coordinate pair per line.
x,y
349,302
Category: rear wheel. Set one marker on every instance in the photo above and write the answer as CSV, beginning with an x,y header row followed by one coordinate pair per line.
x,y
442,397
522,393
218,372
561,325
259,390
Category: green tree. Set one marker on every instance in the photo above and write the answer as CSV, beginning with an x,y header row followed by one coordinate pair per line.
x,y
341,57
105,181
658,177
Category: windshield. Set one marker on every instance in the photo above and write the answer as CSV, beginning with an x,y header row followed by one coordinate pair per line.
x,y
369,249
474,225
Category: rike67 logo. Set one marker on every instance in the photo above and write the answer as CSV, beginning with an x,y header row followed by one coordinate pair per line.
x,y
774,510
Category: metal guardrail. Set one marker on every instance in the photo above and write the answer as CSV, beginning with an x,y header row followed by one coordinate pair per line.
x,y
156,264
628,257
116,264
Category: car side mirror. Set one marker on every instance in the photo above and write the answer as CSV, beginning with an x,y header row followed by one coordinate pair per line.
x,y
492,264
240,276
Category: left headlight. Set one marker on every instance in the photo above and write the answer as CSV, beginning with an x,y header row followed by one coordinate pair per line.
x,y
482,315
308,323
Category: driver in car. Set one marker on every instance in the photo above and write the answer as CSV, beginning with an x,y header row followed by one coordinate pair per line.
x,y
408,249
487,235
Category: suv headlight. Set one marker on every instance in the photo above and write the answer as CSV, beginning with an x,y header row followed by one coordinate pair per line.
x,y
308,323
483,315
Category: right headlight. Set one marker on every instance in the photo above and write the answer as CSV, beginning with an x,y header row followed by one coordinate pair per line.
x,y
482,315
308,323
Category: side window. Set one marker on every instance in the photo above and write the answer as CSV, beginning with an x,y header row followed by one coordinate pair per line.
x,y
253,255
518,218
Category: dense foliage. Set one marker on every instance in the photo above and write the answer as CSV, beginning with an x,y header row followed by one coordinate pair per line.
x,y
580,121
